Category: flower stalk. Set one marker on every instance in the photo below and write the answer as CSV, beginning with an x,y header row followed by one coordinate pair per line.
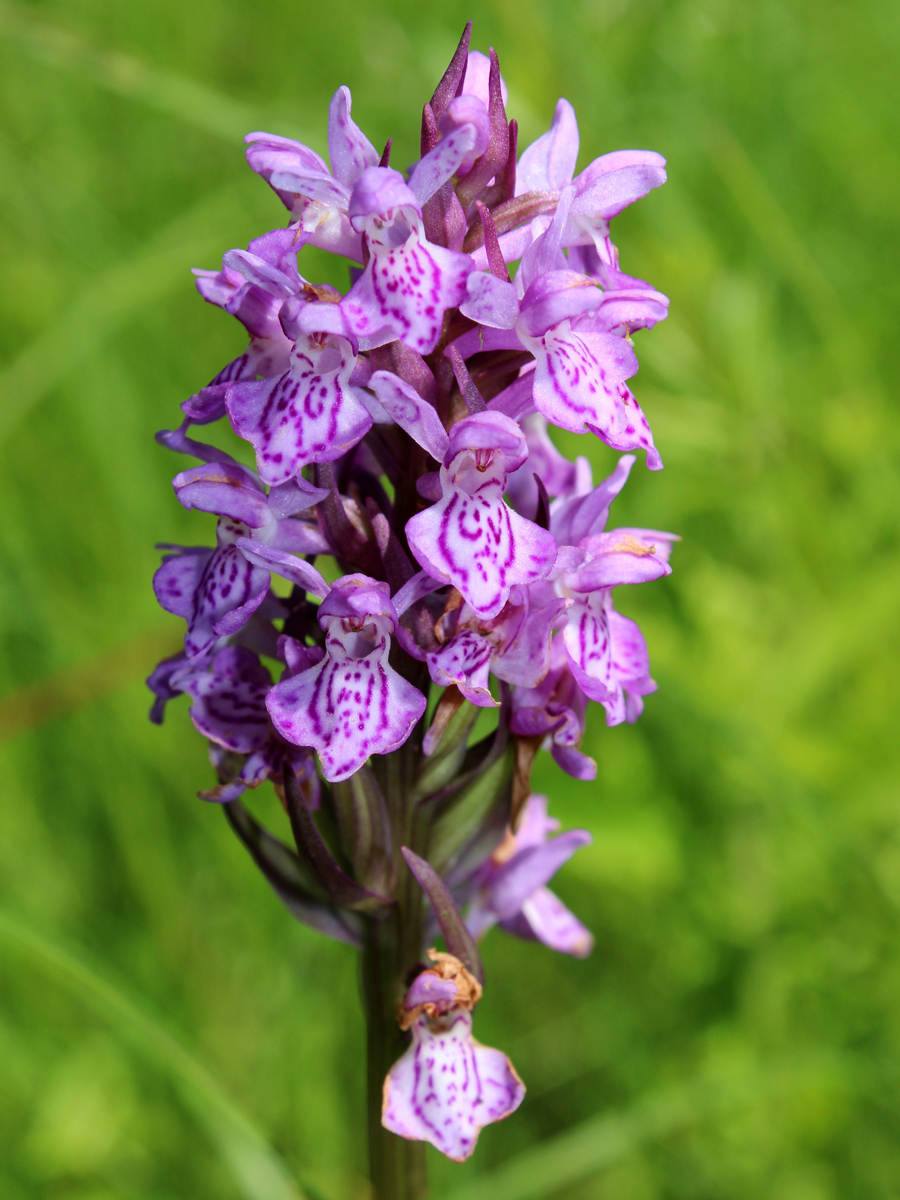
x,y
399,433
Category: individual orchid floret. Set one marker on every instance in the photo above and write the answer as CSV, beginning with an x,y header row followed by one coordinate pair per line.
x,y
577,334
311,413
447,1087
606,652
352,704
511,885
601,191
608,656
409,283
216,591
471,538
317,197
229,708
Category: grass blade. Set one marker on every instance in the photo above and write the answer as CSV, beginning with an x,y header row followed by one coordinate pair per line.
x,y
258,1170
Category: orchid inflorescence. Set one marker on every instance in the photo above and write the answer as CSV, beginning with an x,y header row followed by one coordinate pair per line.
x,y
401,431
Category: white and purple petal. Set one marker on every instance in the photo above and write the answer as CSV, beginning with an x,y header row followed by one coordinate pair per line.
x,y
447,1087
465,661
309,414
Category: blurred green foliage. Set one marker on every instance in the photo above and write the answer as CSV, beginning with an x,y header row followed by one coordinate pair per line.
x,y
735,1034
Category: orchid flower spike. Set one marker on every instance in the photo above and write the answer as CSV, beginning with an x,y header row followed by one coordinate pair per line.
x,y
400,529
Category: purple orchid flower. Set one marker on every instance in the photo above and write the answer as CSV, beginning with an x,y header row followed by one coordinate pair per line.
x,y
218,590
311,413
257,308
408,283
602,190
230,710
471,538
511,885
577,334
447,1087
606,652
353,704
317,197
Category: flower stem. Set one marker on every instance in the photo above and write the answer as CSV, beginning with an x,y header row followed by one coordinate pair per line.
x,y
396,1166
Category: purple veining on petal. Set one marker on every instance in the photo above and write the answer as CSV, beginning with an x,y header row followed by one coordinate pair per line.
x,y
471,538
447,1087
408,283
216,591
465,661
352,704
309,414
579,384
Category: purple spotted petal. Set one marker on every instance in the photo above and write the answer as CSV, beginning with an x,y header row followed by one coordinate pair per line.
x,y
579,383
631,663
310,414
352,704
230,700
175,582
216,592
589,650
349,149
408,283
440,163
465,661
607,656
474,541
549,163
447,1087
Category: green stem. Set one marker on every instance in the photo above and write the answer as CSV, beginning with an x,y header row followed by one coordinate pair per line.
x,y
391,950
396,1166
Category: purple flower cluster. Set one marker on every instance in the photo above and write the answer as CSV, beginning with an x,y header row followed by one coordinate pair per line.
x,y
400,432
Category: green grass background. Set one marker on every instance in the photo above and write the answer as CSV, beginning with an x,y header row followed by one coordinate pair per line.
x,y
166,1030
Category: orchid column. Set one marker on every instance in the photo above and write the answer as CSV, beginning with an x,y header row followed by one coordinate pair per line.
x,y
397,436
